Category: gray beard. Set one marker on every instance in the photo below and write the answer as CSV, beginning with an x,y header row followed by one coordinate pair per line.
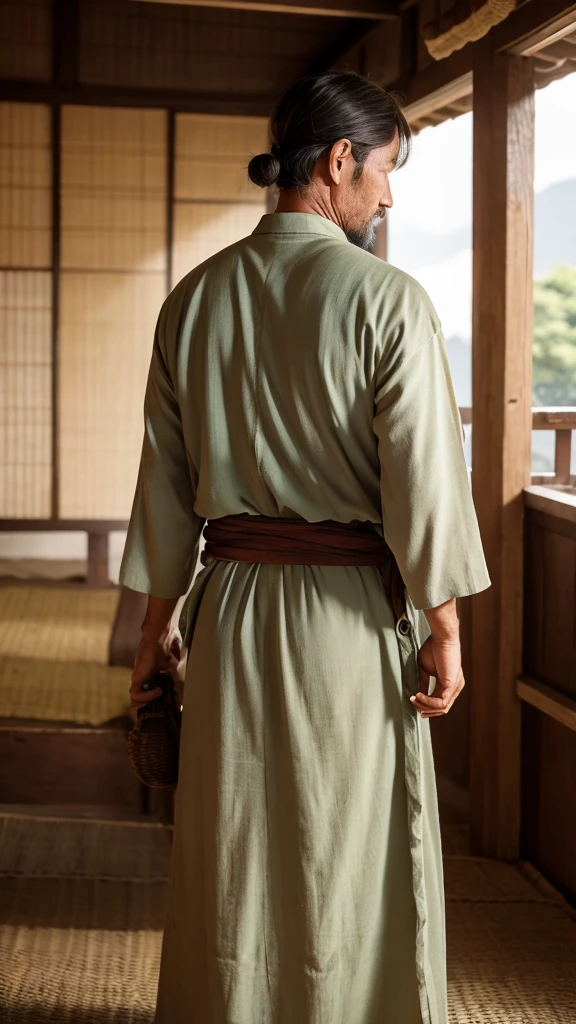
x,y
364,239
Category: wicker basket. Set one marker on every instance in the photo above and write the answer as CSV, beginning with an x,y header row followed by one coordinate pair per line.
x,y
154,741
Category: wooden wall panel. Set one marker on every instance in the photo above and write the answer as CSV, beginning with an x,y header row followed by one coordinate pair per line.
x,y
25,185
112,284
548,836
559,652
25,394
549,652
26,39
533,610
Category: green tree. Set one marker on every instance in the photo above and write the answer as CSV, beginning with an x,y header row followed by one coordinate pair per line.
x,y
554,352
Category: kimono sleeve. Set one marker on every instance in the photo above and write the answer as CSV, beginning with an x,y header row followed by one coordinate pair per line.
x,y
429,519
164,530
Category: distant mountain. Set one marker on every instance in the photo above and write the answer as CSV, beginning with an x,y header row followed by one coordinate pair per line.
x,y
412,249
554,236
460,358
449,285
442,263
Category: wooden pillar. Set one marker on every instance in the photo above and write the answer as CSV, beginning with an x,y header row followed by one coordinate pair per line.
x,y
97,575
501,432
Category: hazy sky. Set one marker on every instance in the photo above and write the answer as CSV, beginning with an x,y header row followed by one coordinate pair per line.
x,y
434,189
433,193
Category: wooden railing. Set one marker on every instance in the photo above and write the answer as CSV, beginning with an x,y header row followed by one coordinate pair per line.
x,y
548,700
560,419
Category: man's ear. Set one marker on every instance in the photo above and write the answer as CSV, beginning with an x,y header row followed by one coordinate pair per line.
x,y
341,151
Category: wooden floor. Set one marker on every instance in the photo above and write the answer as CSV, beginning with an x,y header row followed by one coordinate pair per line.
x,y
82,902
83,870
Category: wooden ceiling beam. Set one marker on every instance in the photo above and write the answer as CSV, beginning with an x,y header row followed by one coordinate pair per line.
x,y
533,26
436,77
524,31
353,34
562,50
374,10
447,95
246,105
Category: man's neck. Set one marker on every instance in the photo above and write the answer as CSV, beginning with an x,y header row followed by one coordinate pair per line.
x,y
290,202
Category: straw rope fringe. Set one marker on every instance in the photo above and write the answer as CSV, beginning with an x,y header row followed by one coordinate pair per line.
x,y
477,25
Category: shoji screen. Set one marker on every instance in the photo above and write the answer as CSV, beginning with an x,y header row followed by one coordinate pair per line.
x,y
26,39
25,311
215,201
112,284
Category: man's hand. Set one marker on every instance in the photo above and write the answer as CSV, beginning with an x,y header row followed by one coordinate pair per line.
x,y
154,656
443,660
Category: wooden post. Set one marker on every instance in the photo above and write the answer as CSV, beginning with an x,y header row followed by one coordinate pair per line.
x,y
562,456
97,575
501,432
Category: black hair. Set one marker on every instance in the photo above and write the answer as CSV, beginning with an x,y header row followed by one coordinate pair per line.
x,y
318,110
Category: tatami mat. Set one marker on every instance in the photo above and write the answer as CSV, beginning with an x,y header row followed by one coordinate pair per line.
x,y
63,691
510,963
54,653
57,623
49,847
79,951
85,950
482,880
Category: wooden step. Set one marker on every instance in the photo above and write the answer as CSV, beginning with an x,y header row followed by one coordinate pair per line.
x,y
65,764
43,845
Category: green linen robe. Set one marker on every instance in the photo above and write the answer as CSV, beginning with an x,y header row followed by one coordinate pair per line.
x,y
294,374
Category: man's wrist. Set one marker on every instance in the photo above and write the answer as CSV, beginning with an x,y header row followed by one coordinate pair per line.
x,y
444,623
151,636
156,627
445,638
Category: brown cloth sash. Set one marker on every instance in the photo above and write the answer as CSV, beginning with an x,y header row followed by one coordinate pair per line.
x,y
270,539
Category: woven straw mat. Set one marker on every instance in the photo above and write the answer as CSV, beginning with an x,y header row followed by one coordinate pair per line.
x,y
53,655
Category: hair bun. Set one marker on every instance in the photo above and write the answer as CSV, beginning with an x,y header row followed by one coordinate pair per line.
x,y
264,169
